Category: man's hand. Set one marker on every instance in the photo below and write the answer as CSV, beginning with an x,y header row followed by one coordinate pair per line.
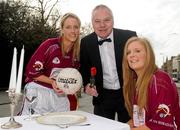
x,y
91,90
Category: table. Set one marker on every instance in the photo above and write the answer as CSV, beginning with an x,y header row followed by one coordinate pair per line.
x,y
96,123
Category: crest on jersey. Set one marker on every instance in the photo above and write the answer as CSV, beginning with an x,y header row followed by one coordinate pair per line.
x,y
56,60
38,65
163,110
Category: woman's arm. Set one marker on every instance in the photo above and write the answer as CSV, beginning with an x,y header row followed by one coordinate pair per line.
x,y
44,79
143,127
130,123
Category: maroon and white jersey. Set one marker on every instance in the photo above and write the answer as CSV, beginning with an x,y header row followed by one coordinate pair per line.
x,y
48,60
163,108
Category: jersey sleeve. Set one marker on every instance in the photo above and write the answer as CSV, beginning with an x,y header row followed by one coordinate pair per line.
x,y
163,104
36,64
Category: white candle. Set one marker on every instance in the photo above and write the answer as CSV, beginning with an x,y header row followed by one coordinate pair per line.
x,y
20,72
12,82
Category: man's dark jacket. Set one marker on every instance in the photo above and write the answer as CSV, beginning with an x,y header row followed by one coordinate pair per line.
x,y
90,57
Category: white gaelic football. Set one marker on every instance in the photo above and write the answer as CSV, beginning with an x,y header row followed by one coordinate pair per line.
x,y
69,80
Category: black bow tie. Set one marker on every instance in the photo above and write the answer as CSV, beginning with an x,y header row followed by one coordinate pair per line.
x,y
104,40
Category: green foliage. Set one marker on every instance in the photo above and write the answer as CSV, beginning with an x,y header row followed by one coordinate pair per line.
x,y
18,27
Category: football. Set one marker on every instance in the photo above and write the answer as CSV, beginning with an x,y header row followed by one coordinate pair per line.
x,y
69,80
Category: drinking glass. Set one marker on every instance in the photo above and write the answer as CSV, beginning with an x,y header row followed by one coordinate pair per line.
x,y
31,98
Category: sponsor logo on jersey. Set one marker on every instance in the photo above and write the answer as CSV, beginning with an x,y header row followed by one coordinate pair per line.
x,y
163,110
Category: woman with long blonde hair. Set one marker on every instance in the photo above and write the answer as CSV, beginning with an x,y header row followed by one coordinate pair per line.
x,y
150,94
49,59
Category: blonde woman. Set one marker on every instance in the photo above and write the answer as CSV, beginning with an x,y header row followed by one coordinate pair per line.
x,y
150,94
44,65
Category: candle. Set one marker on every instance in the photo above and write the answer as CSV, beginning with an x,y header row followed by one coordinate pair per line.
x,y
12,82
20,72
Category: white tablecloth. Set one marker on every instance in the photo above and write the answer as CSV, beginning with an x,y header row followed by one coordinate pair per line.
x,y
96,123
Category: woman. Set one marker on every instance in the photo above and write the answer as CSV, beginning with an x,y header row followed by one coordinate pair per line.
x,y
45,64
150,94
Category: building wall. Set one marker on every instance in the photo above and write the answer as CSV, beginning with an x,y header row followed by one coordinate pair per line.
x,y
172,66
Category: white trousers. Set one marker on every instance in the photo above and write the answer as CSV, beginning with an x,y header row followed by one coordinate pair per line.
x,y
45,100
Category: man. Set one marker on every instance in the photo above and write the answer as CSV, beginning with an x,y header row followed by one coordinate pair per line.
x,y
107,58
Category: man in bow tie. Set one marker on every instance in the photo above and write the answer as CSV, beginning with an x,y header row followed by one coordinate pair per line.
x,y
103,49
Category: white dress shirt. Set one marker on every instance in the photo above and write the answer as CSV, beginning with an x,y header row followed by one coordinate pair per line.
x,y
110,76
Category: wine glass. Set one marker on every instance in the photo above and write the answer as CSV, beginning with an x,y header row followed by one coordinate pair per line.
x,y
31,100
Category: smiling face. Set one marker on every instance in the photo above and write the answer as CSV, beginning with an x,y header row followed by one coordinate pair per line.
x,y
136,56
71,29
102,21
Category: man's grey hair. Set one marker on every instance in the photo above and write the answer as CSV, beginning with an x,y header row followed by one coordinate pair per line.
x,y
101,6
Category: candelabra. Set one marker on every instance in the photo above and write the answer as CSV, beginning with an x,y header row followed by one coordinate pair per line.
x,y
14,99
